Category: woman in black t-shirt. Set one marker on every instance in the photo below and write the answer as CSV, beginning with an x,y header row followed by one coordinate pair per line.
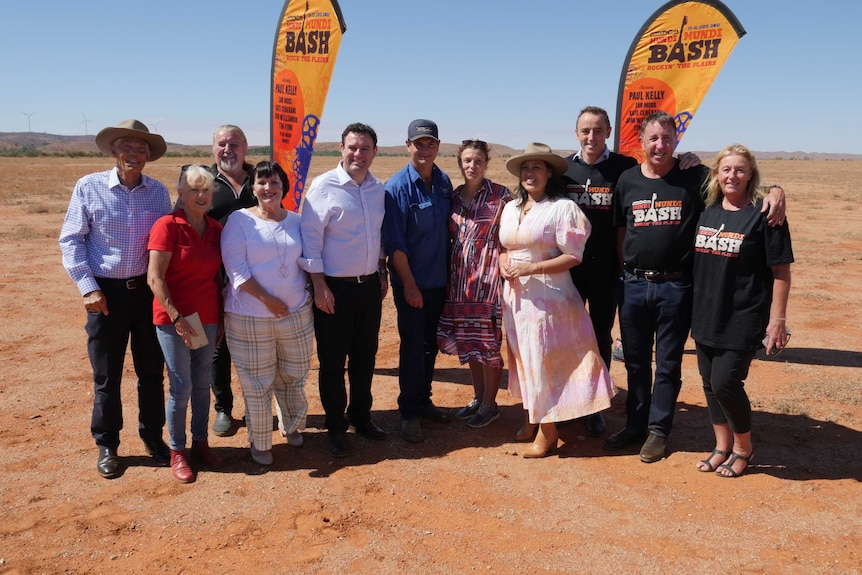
x,y
741,284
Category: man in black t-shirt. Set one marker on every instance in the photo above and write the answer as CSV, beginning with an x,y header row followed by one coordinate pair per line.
x,y
590,182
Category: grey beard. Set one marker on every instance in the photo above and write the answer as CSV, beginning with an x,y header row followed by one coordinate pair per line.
x,y
227,165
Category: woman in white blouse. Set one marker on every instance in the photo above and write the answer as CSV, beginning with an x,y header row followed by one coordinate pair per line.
x,y
268,318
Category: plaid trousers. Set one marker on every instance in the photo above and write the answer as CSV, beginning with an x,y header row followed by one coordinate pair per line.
x,y
272,358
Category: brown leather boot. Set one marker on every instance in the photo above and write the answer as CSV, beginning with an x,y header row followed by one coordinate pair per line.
x,y
545,442
202,451
180,467
528,430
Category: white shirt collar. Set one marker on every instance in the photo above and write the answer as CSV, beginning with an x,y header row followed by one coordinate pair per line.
x,y
605,155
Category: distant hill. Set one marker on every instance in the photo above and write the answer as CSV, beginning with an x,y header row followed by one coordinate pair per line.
x,y
497,150
22,143
53,144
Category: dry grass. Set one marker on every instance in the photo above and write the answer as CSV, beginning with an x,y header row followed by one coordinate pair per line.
x,y
21,232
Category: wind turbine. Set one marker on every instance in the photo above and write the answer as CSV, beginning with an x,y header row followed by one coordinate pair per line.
x,y
29,129
85,122
155,127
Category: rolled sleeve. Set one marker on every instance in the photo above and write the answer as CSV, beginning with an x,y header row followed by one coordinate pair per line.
x,y
314,218
395,222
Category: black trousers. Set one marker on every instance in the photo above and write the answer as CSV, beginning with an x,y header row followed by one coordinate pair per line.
x,y
723,372
599,292
418,351
130,317
348,336
221,379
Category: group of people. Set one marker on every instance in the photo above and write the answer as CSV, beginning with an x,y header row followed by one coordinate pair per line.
x,y
229,274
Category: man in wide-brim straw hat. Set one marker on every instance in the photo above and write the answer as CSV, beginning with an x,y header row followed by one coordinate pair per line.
x,y
135,130
103,241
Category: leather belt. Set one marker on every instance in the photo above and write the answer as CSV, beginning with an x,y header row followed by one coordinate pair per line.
x,y
129,284
657,276
353,279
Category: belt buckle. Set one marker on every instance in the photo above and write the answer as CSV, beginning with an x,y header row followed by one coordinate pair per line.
x,y
652,276
360,280
131,283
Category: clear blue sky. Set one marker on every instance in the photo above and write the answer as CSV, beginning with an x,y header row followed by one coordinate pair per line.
x,y
506,71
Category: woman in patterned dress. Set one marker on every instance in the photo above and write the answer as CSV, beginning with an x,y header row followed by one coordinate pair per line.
x,y
554,362
470,326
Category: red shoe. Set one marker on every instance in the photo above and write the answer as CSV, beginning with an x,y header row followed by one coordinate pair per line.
x,y
180,467
202,451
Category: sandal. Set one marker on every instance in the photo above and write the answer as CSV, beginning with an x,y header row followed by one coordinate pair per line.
x,y
728,465
708,461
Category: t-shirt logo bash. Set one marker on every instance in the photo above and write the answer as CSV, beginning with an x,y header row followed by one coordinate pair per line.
x,y
654,212
591,197
718,242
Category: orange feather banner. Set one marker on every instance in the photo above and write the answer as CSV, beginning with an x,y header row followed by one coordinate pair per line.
x,y
671,65
303,57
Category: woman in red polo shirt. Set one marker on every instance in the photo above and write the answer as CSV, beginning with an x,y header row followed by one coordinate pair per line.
x,y
184,274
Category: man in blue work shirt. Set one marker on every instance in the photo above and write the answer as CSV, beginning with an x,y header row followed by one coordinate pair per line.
x,y
416,240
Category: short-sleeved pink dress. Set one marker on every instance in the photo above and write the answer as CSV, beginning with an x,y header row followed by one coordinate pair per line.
x,y
554,362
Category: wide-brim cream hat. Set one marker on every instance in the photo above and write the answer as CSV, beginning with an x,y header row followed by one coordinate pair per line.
x,y
537,151
132,129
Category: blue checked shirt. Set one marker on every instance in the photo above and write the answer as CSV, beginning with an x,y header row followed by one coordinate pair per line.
x,y
107,226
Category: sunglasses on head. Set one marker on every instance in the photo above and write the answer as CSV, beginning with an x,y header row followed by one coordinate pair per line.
x,y
477,143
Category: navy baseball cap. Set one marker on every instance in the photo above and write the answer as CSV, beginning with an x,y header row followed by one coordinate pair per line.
x,y
422,129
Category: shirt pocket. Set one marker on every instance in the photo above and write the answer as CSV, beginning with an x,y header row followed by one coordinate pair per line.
x,y
423,216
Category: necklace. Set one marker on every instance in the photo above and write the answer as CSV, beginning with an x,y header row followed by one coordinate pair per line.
x,y
282,269
527,207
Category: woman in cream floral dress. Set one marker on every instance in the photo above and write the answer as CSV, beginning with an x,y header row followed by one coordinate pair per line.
x,y
554,362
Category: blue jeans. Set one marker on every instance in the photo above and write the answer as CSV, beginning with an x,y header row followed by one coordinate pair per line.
x,y
418,351
660,312
190,376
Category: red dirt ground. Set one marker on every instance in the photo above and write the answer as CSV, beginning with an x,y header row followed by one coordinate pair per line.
x,y
464,501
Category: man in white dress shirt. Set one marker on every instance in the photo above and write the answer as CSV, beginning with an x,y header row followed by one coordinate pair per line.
x,y
342,215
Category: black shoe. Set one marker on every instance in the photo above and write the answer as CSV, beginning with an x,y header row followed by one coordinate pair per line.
x,y
338,446
624,439
653,449
223,424
411,431
108,464
484,416
469,410
158,450
369,430
433,413
595,424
